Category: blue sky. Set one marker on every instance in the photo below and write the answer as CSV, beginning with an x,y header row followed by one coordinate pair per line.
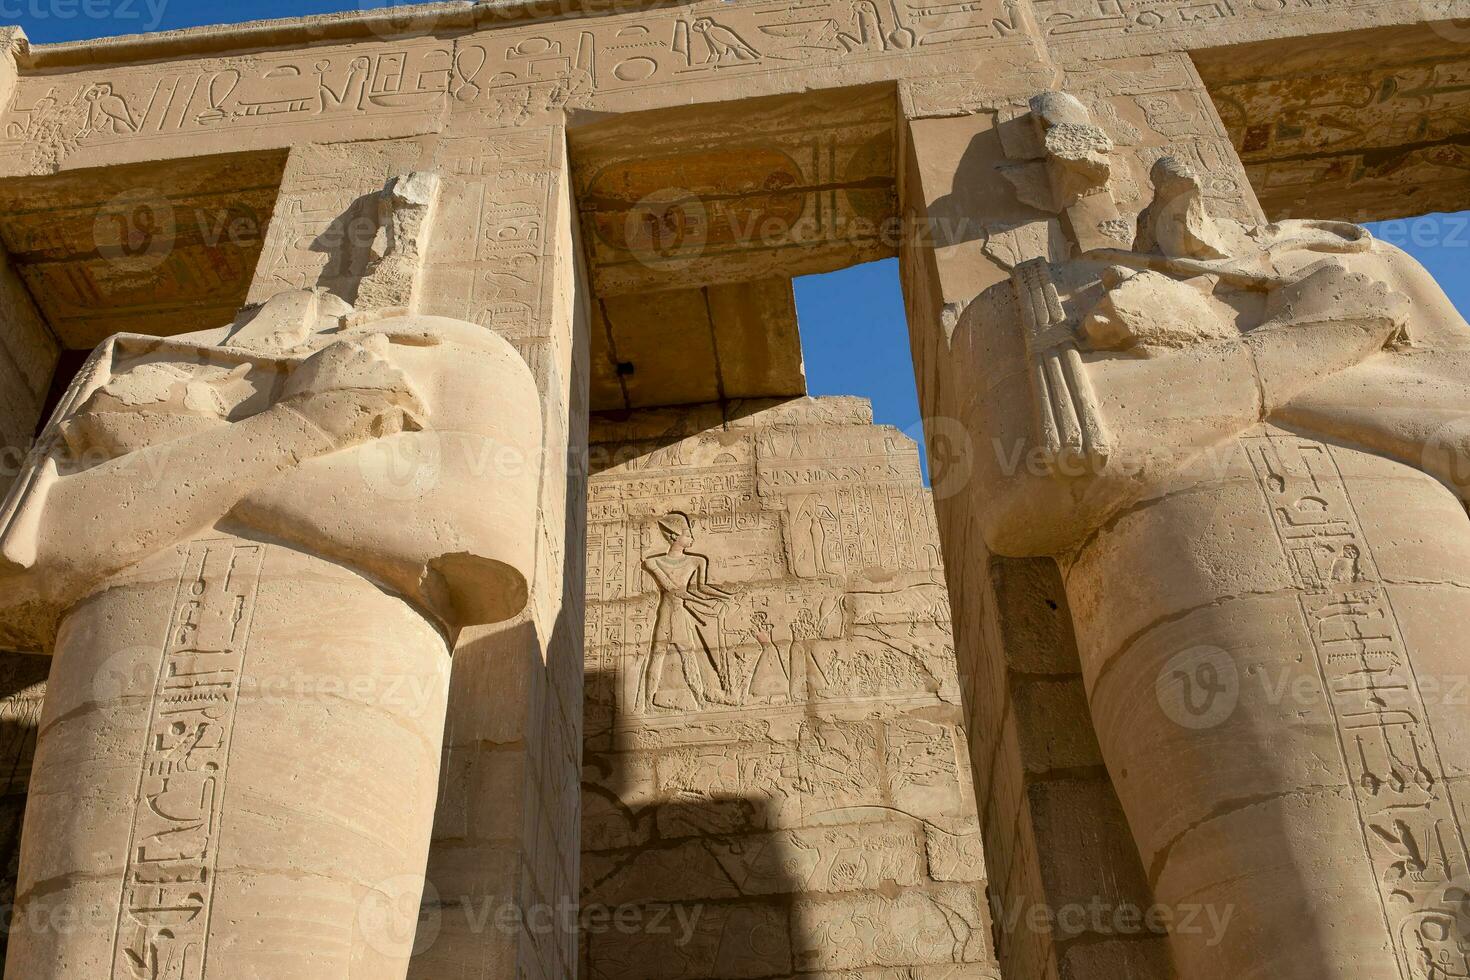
x,y
852,322
856,339
48,21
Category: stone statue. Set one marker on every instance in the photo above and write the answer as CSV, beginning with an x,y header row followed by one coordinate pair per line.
x,y
251,551
1248,449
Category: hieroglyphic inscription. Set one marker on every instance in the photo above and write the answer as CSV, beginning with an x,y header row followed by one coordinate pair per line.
x,y
505,77
772,693
489,263
1379,135
1092,20
1411,830
163,924
787,520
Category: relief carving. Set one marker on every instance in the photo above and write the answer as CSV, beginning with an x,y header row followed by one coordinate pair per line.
x,y
688,615
1256,393
775,588
246,468
509,76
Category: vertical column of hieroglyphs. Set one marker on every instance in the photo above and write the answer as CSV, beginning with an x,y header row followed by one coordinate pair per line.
x,y
164,918
775,782
1413,833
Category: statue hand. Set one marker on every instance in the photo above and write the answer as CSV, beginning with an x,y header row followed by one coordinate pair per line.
x,y
1328,320
353,392
1329,292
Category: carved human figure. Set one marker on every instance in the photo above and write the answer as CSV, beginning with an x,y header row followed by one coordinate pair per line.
x,y
250,551
1241,445
687,605
770,676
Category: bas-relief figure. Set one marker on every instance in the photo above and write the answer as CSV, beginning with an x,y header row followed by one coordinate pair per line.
x,y
687,603
251,606
1247,447
1198,418
803,753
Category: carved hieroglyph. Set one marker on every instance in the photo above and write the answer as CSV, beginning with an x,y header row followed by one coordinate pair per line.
x,y
503,77
250,550
774,755
1260,567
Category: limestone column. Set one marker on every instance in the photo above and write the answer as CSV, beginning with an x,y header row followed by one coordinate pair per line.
x,y
978,199
502,868
1241,443
252,612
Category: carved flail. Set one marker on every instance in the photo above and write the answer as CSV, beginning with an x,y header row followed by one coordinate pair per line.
x,y
1068,419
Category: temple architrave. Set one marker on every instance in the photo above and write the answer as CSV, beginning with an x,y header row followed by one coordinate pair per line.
x,y
420,557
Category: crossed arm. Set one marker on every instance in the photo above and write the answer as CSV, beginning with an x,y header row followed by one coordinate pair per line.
x,y
84,526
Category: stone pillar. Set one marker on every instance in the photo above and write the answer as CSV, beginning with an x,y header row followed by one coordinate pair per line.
x,y
1231,437
502,871
505,862
979,198
276,820
238,766
22,694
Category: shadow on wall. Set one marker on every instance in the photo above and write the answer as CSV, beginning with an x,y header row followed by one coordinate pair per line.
x,y
22,690
683,886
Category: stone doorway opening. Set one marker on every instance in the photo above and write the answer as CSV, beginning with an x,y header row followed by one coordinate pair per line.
x,y
774,747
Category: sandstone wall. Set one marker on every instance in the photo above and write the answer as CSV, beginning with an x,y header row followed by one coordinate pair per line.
x,y
27,358
790,795
1070,894
22,690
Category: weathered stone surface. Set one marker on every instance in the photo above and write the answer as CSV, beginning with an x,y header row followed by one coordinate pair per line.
x,y
1277,743
776,739
22,694
1208,433
1361,126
